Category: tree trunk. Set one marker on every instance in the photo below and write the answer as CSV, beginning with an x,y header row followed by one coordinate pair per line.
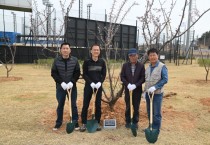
x,y
207,73
115,98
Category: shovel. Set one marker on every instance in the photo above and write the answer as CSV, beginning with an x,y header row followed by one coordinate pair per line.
x,y
70,126
92,124
150,133
133,127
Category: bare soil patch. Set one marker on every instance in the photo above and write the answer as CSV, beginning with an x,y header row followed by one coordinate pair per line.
x,y
8,79
184,120
205,101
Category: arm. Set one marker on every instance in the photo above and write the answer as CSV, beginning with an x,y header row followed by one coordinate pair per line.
x,y
103,72
55,74
76,73
142,77
164,78
123,76
85,72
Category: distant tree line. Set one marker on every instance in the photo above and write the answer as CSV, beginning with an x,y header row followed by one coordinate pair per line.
x,y
205,38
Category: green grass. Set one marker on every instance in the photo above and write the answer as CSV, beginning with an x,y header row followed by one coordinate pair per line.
x,y
204,61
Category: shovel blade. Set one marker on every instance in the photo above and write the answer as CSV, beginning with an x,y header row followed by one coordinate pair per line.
x,y
133,130
70,127
92,125
151,135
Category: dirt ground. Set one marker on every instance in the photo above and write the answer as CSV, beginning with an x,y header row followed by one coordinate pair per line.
x,y
27,110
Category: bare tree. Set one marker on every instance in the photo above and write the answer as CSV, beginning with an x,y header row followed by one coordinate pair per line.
x,y
205,62
9,58
151,20
115,19
42,20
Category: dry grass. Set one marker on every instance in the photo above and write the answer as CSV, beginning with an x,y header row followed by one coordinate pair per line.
x,y
27,110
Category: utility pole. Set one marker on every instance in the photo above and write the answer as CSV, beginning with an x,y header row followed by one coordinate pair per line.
x,y
88,10
80,8
188,25
48,12
14,22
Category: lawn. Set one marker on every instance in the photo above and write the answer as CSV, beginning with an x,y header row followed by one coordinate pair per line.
x,y
28,103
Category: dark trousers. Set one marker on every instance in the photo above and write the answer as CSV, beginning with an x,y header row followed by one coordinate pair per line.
x,y
88,92
61,97
136,98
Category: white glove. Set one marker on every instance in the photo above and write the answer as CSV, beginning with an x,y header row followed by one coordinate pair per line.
x,y
151,89
98,85
129,86
93,85
70,85
133,87
64,85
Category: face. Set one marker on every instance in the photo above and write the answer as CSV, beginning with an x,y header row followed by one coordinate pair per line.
x,y
153,58
133,58
95,51
65,51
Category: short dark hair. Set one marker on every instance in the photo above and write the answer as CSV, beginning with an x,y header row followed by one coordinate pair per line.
x,y
152,50
65,43
95,45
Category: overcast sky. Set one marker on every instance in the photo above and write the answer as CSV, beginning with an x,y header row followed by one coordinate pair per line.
x,y
98,11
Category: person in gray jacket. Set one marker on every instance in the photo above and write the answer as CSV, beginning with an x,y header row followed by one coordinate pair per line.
x,y
66,71
156,76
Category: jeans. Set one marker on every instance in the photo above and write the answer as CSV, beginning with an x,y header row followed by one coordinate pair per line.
x,y
136,98
157,104
61,97
86,102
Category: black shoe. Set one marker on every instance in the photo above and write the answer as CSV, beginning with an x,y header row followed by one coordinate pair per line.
x,y
98,128
128,125
56,127
76,127
83,128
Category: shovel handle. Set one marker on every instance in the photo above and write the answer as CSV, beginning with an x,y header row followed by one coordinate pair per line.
x,y
70,110
151,109
94,94
131,103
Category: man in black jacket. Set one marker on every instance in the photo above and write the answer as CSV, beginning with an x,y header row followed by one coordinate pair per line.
x,y
66,71
133,76
94,73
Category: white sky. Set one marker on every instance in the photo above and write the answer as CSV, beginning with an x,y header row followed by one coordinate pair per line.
x,y
98,12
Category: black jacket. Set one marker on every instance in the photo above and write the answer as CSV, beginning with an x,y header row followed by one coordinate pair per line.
x,y
139,75
65,70
94,71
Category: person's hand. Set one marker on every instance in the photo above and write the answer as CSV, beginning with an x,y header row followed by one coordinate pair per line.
x,y
70,85
64,85
129,86
133,87
93,85
98,85
151,89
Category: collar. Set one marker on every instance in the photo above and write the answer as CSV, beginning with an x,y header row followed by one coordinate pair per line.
x,y
94,60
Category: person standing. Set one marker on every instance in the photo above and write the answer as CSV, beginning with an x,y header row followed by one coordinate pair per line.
x,y
94,74
65,71
156,77
133,76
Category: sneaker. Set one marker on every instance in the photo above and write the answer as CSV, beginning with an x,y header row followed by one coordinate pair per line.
x,y
83,128
76,127
56,127
128,125
98,128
